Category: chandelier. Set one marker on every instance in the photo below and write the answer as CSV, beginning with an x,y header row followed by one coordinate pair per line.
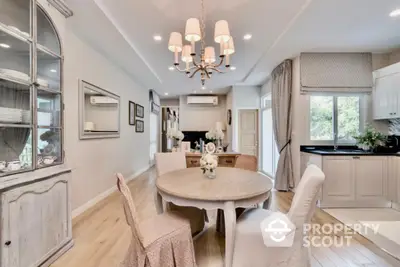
x,y
206,64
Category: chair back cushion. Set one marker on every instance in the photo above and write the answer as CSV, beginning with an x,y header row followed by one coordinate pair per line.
x,y
168,162
129,207
247,162
305,198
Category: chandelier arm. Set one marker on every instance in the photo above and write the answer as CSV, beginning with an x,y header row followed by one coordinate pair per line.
x,y
194,73
177,68
220,62
217,70
194,62
207,74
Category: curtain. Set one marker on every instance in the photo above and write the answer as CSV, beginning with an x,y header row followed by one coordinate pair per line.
x,y
282,123
13,140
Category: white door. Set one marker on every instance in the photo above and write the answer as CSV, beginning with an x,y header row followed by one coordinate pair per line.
x,y
248,132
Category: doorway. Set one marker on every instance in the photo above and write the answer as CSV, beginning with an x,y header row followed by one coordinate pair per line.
x,y
248,132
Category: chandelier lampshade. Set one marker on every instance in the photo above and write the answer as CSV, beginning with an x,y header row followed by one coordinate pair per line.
x,y
192,31
186,54
222,33
175,42
209,55
229,47
204,63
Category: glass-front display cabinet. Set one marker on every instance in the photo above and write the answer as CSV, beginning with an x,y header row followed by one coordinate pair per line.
x,y
31,122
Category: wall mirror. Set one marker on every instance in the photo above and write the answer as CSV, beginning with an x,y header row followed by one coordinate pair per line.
x,y
99,112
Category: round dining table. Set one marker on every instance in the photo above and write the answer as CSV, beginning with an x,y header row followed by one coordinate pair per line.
x,y
232,188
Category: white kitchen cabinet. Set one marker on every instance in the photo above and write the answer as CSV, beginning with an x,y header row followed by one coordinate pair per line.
x,y
386,96
371,178
339,179
36,223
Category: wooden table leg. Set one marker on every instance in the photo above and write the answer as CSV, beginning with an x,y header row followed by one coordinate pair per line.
x,y
230,225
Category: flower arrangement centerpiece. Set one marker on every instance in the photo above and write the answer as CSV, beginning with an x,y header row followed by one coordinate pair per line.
x,y
370,139
216,136
177,136
209,163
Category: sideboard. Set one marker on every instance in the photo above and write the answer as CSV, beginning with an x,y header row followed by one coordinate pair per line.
x,y
224,159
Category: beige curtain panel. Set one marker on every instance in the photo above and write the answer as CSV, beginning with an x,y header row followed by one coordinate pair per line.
x,y
282,120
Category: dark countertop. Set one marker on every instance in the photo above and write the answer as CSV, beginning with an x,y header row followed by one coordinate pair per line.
x,y
344,151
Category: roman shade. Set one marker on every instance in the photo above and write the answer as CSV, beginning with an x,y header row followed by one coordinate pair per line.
x,y
336,72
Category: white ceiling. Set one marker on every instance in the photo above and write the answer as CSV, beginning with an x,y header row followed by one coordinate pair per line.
x,y
281,29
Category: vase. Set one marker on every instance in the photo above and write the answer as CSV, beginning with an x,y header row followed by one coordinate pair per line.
x,y
210,174
175,145
364,147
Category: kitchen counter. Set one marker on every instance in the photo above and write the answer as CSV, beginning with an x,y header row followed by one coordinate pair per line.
x,y
343,151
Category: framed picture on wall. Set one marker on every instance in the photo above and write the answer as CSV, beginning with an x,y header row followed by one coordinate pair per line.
x,y
131,113
155,108
139,126
139,111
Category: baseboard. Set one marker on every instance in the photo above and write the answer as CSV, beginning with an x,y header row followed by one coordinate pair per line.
x,y
76,212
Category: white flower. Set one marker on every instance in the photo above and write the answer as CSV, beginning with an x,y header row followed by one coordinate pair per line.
x,y
209,162
215,135
176,134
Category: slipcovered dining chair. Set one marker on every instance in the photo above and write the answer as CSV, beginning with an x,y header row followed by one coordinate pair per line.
x,y
168,162
164,240
247,162
250,249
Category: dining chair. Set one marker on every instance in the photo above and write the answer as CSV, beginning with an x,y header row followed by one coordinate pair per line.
x,y
250,249
163,240
247,162
168,162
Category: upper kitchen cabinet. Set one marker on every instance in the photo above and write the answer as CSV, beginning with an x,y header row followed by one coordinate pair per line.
x,y
386,94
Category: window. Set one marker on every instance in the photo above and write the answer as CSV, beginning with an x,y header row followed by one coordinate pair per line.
x,y
30,89
335,119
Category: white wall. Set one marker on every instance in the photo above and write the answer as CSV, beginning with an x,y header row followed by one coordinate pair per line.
x,y
243,97
94,162
229,106
394,57
169,102
201,117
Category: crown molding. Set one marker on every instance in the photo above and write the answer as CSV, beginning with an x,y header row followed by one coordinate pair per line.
x,y
61,7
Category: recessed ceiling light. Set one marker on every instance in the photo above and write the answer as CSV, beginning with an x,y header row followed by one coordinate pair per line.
x,y
203,88
171,68
165,93
4,45
210,91
194,91
233,68
395,13
53,70
157,37
247,36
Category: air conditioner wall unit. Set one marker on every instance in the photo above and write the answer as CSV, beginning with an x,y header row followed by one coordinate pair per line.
x,y
202,100
103,100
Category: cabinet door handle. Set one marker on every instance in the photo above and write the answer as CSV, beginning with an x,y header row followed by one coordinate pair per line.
x,y
229,161
7,243
356,157
193,161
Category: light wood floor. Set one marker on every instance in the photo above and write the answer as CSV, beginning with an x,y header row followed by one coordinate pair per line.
x,y
102,236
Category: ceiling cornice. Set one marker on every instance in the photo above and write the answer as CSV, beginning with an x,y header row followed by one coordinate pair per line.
x,y
124,35
277,40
